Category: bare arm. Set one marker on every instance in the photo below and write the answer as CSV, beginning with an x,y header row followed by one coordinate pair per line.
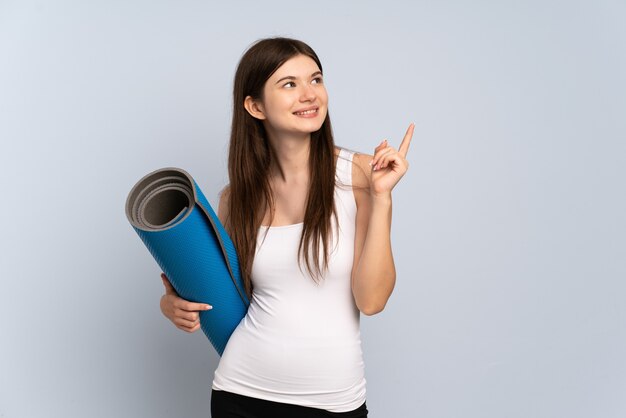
x,y
374,272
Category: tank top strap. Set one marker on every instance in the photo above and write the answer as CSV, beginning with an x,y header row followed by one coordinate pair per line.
x,y
344,167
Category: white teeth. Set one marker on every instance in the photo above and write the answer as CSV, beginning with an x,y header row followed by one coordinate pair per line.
x,y
306,112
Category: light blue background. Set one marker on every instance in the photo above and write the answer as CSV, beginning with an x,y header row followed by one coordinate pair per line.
x,y
509,229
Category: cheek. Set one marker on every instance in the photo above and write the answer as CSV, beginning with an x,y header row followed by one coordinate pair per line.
x,y
323,95
323,98
273,108
281,103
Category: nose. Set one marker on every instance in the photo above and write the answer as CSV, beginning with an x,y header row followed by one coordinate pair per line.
x,y
308,93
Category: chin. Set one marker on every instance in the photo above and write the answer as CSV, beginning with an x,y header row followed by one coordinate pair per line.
x,y
308,128
312,131
317,125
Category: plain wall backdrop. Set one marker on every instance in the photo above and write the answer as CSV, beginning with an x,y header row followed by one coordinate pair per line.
x,y
509,229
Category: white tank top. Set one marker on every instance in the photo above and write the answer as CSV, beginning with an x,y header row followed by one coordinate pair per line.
x,y
300,341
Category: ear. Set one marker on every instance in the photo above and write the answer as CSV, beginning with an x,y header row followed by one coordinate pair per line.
x,y
254,107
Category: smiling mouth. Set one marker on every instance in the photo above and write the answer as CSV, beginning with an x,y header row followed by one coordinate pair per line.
x,y
306,112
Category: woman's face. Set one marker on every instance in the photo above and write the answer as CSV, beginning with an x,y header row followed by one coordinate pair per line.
x,y
294,98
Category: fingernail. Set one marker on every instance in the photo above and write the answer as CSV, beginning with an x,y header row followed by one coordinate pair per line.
x,y
371,162
208,307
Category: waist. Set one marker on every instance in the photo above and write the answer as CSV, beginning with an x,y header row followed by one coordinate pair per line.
x,y
327,372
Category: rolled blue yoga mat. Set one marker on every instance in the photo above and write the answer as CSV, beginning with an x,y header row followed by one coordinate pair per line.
x,y
187,240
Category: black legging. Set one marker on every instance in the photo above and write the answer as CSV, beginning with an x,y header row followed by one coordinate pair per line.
x,y
231,405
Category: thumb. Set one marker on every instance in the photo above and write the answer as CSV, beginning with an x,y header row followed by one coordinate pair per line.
x,y
168,286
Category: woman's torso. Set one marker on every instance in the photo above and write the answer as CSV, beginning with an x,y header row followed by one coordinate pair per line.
x,y
300,341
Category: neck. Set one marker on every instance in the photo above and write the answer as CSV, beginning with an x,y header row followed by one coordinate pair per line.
x,y
291,154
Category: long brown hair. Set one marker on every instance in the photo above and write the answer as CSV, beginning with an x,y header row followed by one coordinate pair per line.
x,y
250,156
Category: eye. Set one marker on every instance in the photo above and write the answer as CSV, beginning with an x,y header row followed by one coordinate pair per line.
x,y
318,80
287,84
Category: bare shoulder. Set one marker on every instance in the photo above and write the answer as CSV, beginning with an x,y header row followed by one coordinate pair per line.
x,y
222,208
361,171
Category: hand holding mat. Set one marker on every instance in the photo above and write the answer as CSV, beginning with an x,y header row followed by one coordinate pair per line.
x,y
175,221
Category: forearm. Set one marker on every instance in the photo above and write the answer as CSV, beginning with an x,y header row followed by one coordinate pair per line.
x,y
375,274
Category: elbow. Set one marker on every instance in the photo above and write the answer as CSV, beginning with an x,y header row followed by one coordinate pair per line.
x,y
373,308
371,301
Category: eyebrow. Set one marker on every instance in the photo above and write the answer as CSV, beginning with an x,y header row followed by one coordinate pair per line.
x,y
290,77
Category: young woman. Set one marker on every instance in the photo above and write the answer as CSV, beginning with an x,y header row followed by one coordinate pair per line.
x,y
311,224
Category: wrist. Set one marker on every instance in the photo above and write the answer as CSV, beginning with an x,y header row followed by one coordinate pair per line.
x,y
381,198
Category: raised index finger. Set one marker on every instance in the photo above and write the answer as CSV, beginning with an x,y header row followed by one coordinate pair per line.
x,y
406,141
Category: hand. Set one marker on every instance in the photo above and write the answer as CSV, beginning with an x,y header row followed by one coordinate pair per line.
x,y
181,312
389,165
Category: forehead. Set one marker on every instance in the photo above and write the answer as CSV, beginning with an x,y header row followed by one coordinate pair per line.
x,y
299,66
